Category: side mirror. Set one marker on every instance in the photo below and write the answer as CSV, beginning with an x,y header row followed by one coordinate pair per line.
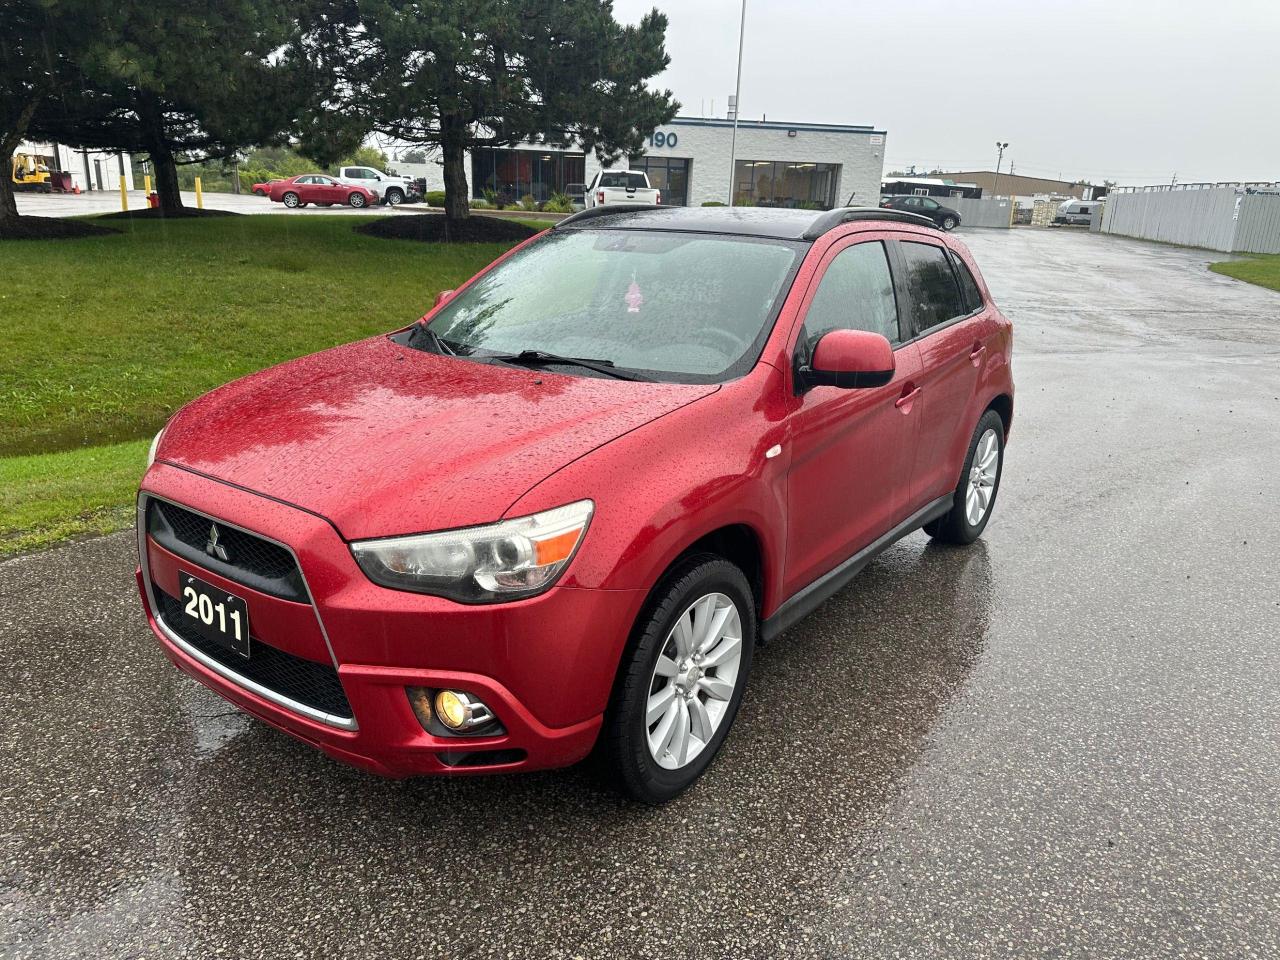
x,y
444,295
849,358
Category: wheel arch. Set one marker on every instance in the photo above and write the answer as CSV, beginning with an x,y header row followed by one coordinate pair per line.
x,y
1002,404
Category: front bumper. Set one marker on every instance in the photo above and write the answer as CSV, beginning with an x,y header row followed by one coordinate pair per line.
x,y
544,665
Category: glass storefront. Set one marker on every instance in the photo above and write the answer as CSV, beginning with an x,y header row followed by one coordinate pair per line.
x,y
668,175
514,174
780,183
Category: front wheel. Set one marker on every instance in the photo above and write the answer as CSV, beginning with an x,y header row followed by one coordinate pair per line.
x,y
395,197
975,495
356,200
949,223
682,679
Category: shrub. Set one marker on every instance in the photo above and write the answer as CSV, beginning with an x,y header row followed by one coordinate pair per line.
x,y
713,203
491,197
528,203
434,198
481,205
558,203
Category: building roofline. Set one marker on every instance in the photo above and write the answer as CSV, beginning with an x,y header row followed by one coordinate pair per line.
x,y
775,125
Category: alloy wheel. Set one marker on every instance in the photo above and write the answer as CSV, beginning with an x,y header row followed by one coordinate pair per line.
x,y
693,680
982,477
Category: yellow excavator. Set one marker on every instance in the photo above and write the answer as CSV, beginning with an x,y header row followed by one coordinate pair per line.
x,y
31,172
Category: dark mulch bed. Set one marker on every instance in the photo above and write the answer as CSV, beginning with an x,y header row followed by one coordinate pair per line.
x,y
155,213
50,228
431,228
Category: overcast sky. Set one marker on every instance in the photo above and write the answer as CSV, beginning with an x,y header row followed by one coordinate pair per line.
x,y
1130,90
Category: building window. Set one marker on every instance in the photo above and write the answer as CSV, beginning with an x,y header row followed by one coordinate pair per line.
x,y
779,183
920,192
510,175
668,175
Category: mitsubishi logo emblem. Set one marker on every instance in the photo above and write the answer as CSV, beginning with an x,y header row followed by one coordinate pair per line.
x,y
213,547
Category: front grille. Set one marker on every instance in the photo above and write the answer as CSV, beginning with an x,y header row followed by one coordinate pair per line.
x,y
314,684
265,566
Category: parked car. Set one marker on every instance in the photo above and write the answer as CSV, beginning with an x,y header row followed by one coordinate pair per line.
x,y
389,189
263,189
620,186
534,520
1076,212
320,189
944,217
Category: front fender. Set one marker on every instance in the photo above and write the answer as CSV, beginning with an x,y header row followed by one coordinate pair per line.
x,y
667,484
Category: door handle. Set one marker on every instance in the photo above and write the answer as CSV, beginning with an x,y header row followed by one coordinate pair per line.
x,y
975,355
908,397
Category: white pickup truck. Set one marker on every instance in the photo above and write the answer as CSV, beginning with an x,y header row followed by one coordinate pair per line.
x,y
390,189
619,186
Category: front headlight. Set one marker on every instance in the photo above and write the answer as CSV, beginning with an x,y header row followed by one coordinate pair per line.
x,y
155,443
507,560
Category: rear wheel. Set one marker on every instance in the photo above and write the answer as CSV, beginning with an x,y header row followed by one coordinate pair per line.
x,y
291,200
356,200
949,223
682,680
975,495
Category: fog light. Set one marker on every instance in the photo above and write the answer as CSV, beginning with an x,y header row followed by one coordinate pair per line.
x,y
453,709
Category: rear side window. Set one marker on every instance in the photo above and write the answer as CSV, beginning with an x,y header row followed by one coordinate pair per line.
x,y
935,295
968,286
630,181
855,293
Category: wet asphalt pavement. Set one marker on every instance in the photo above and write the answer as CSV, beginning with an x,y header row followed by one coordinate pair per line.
x,y
1061,742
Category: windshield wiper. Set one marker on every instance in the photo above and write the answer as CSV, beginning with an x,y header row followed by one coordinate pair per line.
x,y
438,343
539,357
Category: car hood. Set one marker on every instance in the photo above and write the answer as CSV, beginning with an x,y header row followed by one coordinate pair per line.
x,y
382,439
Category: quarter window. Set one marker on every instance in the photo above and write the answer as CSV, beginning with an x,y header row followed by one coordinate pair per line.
x,y
968,286
855,293
935,296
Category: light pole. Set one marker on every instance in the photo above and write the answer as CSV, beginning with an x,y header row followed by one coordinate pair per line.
x,y
995,190
737,103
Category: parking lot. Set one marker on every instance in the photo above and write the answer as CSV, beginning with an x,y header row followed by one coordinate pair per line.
x,y
1062,741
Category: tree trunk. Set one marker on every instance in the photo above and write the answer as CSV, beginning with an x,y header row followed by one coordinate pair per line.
x,y
456,205
166,170
8,145
166,185
8,205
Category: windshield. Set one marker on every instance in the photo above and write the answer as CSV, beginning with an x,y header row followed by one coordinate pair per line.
x,y
685,307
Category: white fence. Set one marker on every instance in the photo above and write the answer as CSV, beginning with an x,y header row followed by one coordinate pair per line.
x,y
1233,218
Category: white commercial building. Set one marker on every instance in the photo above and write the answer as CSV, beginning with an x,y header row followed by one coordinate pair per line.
x,y
89,169
778,164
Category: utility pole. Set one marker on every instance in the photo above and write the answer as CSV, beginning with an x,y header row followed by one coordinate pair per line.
x,y
737,103
1000,147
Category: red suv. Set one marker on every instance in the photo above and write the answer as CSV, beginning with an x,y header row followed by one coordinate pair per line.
x,y
563,507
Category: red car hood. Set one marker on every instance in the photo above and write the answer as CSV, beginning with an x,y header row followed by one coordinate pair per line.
x,y
383,439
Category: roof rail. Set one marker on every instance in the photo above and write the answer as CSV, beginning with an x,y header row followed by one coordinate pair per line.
x,y
592,212
833,218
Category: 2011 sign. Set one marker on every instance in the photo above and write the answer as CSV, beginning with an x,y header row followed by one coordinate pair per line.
x,y
660,139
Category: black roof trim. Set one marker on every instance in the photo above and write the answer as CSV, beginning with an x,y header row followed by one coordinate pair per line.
x,y
833,218
765,222
604,211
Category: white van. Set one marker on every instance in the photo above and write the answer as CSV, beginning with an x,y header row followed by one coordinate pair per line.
x,y
1076,212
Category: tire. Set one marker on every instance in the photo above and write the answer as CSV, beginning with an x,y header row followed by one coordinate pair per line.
x,y
291,200
260,193
701,590
394,197
356,200
949,223
957,525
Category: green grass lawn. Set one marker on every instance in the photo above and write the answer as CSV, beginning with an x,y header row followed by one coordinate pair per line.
x,y
1264,271
104,337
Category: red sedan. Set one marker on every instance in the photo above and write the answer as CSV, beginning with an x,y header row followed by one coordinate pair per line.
x,y
564,506
323,191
